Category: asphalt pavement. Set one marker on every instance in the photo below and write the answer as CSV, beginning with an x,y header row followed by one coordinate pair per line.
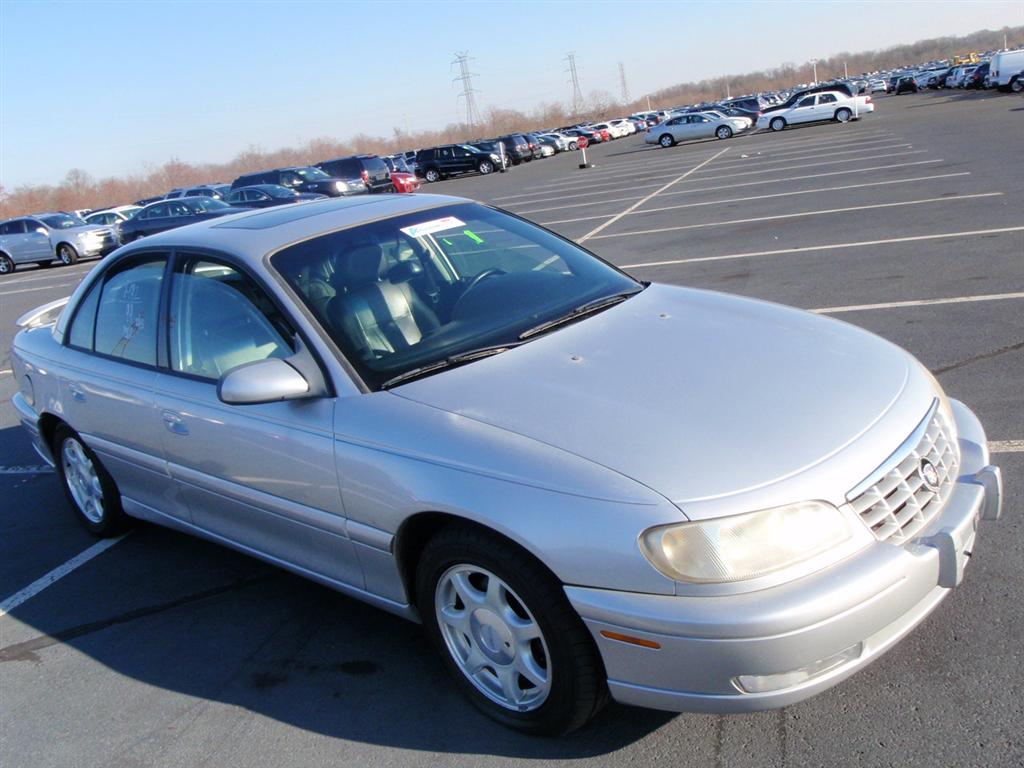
x,y
163,650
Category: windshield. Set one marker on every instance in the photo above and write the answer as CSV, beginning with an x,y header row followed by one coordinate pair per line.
x,y
206,204
312,174
62,221
276,190
418,289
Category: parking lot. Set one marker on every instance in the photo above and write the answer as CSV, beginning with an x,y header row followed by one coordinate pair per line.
x,y
158,649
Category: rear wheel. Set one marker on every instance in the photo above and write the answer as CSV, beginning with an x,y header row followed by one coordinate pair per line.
x,y
66,254
723,132
843,115
6,265
88,486
432,175
573,146
777,124
485,167
1017,84
507,633
666,140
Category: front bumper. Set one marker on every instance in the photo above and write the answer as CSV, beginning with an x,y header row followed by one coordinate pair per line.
x,y
825,626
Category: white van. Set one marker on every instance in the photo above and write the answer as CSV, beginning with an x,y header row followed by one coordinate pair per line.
x,y
1005,71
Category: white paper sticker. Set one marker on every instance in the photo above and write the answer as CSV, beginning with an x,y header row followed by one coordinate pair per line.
x,y
430,227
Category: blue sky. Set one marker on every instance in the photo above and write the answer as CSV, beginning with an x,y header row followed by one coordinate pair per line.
x,y
116,87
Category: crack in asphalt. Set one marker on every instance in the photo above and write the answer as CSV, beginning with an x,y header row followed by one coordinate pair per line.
x,y
979,357
26,651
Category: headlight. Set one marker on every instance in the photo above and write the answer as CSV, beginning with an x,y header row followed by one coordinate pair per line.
x,y
750,545
341,186
495,158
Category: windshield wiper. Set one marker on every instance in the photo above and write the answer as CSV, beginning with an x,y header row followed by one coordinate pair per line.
x,y
449,362
582,310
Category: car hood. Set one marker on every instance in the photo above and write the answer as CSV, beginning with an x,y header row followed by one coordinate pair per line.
x,y
700,396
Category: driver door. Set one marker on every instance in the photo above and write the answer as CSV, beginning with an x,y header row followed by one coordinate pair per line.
x,y
803,112
261,476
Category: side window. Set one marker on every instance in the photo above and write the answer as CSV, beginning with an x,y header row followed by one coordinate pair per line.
x,y
807,102
156,212
290,179
80,333
826,98
220,319
178,209
234,197
126,318
446,153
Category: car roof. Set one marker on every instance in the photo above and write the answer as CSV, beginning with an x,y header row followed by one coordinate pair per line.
x,y
253,234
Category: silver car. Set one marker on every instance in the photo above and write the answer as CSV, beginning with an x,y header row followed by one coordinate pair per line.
x,y
42,237
583,486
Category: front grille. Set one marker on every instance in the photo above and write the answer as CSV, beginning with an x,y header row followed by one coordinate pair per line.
x,y
899,503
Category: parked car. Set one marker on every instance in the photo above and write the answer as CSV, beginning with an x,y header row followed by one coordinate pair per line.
x,y
482,429
516,147
878,85
816,107
438,163
303,179
403,178
371,170
216,191
1005,70
268,196
533,142
556,142
111,217
696,125
906,85
593,137
497,149
43,237
977,78
170,214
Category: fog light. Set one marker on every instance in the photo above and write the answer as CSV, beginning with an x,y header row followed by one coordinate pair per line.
x,y
780,680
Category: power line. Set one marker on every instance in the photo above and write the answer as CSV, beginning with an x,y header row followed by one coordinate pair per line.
x,y
574,80
622,82
468,91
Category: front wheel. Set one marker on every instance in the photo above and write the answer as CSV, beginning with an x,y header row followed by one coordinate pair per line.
x,y
777,124
6,265
89,488
724,132
485,167
507,633
843,115
666,140
67,254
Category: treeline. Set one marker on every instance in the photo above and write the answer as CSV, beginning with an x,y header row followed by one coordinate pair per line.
x,y
80,190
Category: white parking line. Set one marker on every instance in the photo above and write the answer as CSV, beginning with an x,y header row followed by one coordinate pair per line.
x,y
830,247
764,197
692,190
918,303
1006,446
57,573
57,273
6,372
27,469
637,204
778,217
38,288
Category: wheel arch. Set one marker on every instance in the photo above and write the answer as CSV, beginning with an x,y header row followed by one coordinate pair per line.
x,y
48,424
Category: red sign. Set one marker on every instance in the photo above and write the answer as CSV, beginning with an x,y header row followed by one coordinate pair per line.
x,y
582,142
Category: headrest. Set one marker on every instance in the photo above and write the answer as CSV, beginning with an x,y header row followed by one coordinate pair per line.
x,y
360,266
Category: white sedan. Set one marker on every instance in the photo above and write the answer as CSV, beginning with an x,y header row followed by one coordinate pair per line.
x,y
817,107
696,125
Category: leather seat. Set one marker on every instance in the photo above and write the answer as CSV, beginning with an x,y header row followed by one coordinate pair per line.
x,y
376,315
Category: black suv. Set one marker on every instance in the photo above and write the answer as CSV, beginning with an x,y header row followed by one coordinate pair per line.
x,y
369,169
438,162
302,179
516,147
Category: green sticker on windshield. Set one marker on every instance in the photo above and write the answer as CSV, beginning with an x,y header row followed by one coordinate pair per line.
x,y
473,236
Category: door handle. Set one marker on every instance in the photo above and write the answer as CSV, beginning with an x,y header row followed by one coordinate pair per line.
x,y
76,393
175,423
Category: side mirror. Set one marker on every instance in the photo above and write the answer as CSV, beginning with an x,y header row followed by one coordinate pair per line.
x,y
41,231
265,381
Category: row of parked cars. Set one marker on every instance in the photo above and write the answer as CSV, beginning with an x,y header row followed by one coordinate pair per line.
x,y
1003,70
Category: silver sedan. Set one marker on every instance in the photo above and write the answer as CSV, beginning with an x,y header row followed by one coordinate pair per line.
x,y
696,125
583,486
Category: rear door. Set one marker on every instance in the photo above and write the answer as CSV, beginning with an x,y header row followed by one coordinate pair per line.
x,y
260,476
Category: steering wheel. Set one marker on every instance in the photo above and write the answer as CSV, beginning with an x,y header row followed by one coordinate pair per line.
x,y
477,279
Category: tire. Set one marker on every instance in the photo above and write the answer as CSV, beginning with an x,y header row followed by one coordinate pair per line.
x,y
89,488
67,254
777,124
6,264
666,140
522,623
432,175
843,115
723,132
573,146
1017,85
485,167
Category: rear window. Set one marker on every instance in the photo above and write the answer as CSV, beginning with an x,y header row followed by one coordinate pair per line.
x,y
375,165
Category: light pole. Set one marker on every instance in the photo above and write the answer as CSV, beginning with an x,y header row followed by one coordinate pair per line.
x,y
814,63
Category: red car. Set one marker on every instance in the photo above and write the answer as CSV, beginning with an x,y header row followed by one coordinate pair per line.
x,y
403,179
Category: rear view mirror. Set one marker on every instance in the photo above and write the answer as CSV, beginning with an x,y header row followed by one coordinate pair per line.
x,y
265,381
